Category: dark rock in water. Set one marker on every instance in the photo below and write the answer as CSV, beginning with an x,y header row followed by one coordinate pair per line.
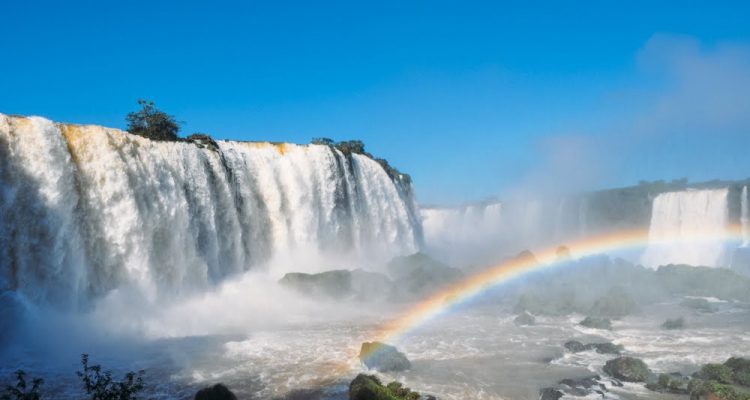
x,y
383,357
616,383
524,319
627,369
336,284
574,346
596,323
369,387
669,383
418,274
698,304
616,303
550,394
677,323
203,141
605,348
215,392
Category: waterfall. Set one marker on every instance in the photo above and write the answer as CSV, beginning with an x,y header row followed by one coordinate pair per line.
x,y
86,209
745,218
688,227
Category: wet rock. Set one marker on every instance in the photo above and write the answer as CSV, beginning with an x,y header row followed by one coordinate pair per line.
x,y
336,284
596,323
369,387
550,394
671,324
524,319
669,383
574,346
383,357
627,369
203,141
215,392
698,304
605,348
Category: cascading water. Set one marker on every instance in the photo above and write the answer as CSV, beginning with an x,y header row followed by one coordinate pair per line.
x,y
86,209
688,227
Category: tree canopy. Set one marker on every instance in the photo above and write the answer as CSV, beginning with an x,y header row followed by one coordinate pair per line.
x,y
152,123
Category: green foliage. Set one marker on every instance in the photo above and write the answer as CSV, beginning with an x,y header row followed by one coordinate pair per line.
x,y
323,141
21,391
740,370
152,123
101,386
716,372
707,389
369,387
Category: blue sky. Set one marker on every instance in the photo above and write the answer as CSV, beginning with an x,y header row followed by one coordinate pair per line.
x,y
473,99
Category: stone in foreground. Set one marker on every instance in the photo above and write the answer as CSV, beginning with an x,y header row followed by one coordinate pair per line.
x,y
383,357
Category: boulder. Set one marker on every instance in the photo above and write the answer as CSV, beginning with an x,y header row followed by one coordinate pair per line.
x,y
627,369
596,323
383,357
203,141
336,284
369,387
215,392
524,319
677,323
550,394
669,383
698,304
575,346
370,286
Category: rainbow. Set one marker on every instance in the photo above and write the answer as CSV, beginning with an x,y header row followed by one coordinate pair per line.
x,y
470,287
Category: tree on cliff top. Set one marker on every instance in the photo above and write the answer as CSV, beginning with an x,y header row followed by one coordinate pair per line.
x,y
152,123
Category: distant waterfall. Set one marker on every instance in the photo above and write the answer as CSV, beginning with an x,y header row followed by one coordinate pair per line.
x,y
688,227
86,209
745,218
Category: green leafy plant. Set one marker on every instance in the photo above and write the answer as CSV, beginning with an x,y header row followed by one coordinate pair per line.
x,y
152,123
22,391
101,386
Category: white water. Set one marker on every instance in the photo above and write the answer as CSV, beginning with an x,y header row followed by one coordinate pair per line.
x,y
688,227
86,209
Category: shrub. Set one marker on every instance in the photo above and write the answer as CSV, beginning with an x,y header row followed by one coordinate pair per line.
x,y
152,123
100,385
21,391
716,372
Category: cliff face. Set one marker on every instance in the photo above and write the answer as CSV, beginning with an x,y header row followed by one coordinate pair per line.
x,y
87,209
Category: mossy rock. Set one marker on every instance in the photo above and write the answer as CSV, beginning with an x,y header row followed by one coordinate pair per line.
x,y
627,369
713,390
369,387
740,370
716,372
